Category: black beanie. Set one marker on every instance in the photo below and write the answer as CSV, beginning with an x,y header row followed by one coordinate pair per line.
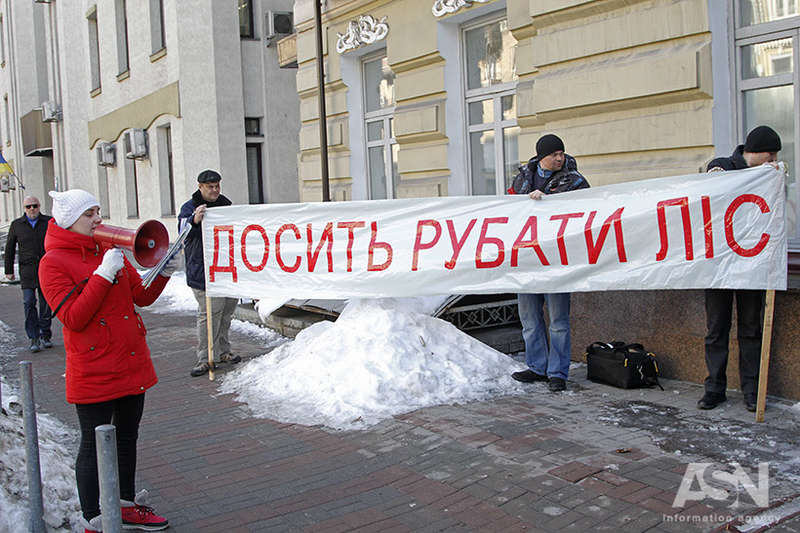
x,y
762,139
547,144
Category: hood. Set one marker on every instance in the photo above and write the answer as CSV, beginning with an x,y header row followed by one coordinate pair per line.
x,y
58,238
569,163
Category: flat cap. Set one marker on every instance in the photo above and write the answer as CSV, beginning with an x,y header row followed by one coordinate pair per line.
x,y
208,176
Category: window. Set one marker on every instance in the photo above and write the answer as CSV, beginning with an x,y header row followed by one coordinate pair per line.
x,y
7,117
252,126
246,19
382,148
255,186
166,175
491,78
158,39
122,36
94,50
766,38
2,42
131,188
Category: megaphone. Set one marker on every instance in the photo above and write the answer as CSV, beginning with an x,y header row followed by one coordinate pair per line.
x,y
149,243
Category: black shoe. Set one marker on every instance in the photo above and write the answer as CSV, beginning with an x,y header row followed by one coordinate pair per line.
x,y
200,369
528,376
35,346
750,402
230,358
44,342
557,385
710,400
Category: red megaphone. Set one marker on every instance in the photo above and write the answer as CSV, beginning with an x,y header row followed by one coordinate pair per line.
x,y
149,243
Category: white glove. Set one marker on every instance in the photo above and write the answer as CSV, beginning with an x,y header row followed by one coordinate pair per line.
x,y
112,263
170,267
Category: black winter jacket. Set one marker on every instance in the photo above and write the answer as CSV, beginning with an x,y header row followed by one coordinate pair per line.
x,y
734,162
31,248
568,178
193,246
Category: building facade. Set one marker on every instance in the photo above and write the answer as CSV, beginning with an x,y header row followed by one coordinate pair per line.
x,y
448,97
150,92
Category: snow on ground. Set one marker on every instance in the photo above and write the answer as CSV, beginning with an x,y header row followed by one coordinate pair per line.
x,y
176,297
379,359
59,493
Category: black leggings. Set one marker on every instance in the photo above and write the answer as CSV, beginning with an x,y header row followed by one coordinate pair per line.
x,y
125,413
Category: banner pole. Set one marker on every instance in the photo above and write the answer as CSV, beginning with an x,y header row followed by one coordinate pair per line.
x,y
766,341
210,332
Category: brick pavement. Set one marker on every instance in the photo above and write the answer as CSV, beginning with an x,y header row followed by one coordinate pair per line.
x,y
593,459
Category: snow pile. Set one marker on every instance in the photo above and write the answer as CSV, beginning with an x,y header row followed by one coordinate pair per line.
x,y
59,493
177,297
379,359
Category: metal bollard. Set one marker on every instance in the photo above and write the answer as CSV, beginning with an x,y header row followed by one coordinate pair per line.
x,y
108,474
36,522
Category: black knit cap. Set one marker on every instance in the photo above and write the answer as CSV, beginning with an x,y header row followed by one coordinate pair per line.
x,y
547,144
762,139
208,176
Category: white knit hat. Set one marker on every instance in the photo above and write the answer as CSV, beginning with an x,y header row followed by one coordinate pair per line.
x,y
68,206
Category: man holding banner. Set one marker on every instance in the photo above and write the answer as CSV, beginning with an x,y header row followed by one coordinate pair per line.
x,y
551,171
761,147
208,194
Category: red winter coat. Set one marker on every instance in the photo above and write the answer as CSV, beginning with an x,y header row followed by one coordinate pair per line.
x,y
107,356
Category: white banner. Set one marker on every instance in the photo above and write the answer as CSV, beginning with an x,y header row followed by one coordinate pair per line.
x,y
720,230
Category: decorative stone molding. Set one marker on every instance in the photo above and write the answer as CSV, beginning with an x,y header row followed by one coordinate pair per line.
x,y
366,30
443,7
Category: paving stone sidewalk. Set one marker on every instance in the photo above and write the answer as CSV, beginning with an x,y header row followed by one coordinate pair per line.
x,y
592,459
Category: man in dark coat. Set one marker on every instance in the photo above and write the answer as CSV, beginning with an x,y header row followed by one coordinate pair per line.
x,y
208,194
551,171
28,232
761,147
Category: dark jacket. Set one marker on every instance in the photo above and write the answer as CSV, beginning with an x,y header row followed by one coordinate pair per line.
x,y
104,336
31,248
193,246
566,179
734,162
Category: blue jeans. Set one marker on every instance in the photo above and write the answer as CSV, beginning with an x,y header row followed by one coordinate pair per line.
x,y
554,361
37,323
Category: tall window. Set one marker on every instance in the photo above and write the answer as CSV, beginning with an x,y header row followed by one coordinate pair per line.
x,y
158,38
102,189
491,80
255,184
94,49
767,34
246,19
166,176
122,36
7,115
2,42
379,125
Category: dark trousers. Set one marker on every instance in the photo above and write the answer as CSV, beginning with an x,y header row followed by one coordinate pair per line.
x,y
37,323
125,413
749,306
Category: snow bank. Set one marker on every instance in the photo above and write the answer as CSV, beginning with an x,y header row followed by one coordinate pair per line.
x,y
379,359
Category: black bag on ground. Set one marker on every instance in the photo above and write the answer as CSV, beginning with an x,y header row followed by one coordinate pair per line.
x,y
627,366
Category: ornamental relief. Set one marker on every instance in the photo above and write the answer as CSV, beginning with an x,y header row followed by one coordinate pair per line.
x,y
443,7
366,30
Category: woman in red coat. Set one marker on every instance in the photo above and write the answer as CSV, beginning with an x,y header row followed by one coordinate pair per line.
x,y
108,361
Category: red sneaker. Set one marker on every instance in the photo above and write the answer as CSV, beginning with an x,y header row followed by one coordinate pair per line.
x,y
137,515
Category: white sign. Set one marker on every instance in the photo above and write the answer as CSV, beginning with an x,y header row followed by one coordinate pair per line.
x,y
718,230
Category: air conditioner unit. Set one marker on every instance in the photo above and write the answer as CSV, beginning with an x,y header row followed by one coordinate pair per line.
x,y
4,187
106,154
135,143
278,24
51,111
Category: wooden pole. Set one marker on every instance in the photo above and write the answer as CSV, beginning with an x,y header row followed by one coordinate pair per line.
x,y
210,331
766,342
